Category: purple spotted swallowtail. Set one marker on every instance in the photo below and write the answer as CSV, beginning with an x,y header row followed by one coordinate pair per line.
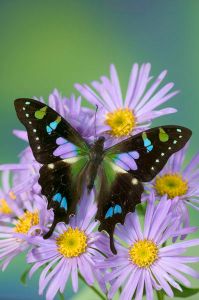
x,y
69,163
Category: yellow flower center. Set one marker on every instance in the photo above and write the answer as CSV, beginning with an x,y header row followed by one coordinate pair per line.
x,y
144,253
171,184
26,221
121,121
4,207
72,242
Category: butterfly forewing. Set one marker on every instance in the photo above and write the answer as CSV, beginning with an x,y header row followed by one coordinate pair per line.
x,y
145,154
48,131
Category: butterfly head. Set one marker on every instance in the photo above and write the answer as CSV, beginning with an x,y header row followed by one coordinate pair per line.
x,y
101,139
99,143
98,146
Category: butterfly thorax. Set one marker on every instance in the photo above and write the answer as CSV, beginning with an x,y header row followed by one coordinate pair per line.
x,y
96,157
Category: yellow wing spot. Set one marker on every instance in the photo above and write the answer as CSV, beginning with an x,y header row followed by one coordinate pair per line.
x,y
163,136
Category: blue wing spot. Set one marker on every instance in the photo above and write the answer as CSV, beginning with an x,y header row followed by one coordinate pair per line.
x,y
64,203
53,125
147,142
117,209
57,197
113,211
148,145
150,148
62,200
109,213
48,129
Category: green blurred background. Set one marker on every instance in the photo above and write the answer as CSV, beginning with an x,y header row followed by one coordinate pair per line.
x,y
53,44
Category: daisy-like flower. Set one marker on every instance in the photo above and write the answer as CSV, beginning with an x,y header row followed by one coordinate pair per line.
x,y
144,262
71,109
24,175
71,249
179,183
27,221
81,118
122,117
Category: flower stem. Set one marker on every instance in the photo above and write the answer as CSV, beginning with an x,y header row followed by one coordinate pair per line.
x,y
61,296
101,296
160,295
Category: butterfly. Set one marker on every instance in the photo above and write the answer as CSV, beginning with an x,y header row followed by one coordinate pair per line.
x,y
69,163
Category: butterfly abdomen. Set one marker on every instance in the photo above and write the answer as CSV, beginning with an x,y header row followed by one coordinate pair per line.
x,y
96,157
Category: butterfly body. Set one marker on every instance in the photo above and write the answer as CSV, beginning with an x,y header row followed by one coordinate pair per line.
x,y
96,158
70,163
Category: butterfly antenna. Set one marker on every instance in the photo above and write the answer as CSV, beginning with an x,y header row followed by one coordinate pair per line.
x,y
96,121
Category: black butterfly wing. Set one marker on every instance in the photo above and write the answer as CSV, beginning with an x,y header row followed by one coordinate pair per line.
x,y
145,154
64,153
62,184
45,128
128,164
119,193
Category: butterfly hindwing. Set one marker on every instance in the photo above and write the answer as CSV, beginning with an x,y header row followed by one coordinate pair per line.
x,y
48,132
145,154
119,194
62,183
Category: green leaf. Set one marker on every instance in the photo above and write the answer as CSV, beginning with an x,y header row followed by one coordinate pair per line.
x,y
24,276
186,292
160,295
61,296
141,208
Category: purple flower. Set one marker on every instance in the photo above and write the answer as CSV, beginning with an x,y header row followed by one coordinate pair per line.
x,y
71,249
121,117
179,183
81,118
25,175
6,198
144,262
27,221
